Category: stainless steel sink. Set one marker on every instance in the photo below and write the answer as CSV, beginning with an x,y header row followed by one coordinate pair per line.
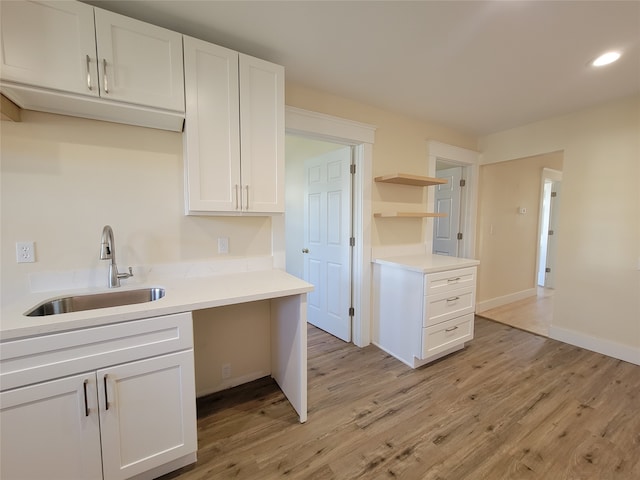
x,y
78,303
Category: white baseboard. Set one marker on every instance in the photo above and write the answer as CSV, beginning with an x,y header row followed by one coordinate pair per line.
x,y
505,299
599,345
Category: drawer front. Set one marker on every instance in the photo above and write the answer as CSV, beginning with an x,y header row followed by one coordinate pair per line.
x,y
37,359
446,335
450,280
448,305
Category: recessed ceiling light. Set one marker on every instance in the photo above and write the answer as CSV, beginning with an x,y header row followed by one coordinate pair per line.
x,y
606,59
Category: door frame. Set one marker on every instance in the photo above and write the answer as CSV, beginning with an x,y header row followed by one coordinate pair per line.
x,y
360,136
469,161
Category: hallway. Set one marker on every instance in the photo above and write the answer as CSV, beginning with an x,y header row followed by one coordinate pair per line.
x,y
531,314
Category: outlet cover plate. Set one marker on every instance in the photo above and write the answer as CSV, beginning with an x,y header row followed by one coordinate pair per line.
x,y
25,252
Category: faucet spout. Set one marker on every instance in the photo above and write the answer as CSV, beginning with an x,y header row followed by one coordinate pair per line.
x,y
108,252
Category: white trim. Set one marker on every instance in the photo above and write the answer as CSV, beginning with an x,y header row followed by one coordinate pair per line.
x,y
606,347
505,299
327,127
360,135
470,160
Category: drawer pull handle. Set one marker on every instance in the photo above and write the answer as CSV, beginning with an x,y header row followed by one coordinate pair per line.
x,y
451,329
453,299
106,398
451,280
86,405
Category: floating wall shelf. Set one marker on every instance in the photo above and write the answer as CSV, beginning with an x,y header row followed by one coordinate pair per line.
x,y
406,179
409,214
414,180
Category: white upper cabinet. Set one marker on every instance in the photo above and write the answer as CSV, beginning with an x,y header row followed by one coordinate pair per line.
x,y
212,136
262,134
70,58
234,131
50,44
138,62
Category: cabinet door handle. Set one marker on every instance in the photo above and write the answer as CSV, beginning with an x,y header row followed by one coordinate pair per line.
x,y
451,280
104,75
89,73
106,397
453,299
86,404
235,189
246,207
451,329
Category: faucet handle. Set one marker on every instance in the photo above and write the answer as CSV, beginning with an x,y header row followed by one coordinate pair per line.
x,y
126,275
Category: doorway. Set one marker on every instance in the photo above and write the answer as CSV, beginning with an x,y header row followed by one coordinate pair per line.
x,y
318,228
447,230
550,195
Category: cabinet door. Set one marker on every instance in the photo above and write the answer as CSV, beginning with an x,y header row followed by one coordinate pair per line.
x,y
147,414
50,45
48,431
262,135
138,62
212,140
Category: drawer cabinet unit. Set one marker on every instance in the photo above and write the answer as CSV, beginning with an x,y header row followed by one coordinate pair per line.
x,y
131,411
418,316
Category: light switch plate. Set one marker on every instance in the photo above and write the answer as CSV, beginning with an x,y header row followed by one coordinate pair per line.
x,y
223,244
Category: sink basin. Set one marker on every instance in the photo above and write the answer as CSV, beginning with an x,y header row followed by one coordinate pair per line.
x,y
78,303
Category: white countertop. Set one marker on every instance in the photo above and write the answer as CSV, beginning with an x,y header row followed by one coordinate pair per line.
x,y
182,295
427,263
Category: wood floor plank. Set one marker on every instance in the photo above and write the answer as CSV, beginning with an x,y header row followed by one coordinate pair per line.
x,y
512,405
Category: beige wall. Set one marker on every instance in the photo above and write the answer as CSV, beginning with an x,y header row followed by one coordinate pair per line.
x,y
598,282
508,240
63,178
400,146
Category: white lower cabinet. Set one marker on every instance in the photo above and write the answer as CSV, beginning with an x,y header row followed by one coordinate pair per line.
x,y
51,431
135,419
420,317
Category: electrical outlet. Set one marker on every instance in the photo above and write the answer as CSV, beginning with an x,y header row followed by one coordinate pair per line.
x,y
226,370
223,244
25,252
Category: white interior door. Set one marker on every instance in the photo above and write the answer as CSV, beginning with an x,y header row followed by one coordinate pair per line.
x,y
447,200
552,239
327,230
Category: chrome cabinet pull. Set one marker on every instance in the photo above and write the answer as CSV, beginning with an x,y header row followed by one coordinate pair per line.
x,y
453,299
89,73
451,329
86,405
106,397
247,205
451,280
235,189
104,73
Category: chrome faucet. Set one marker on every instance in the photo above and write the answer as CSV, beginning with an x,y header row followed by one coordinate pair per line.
x,y
108,252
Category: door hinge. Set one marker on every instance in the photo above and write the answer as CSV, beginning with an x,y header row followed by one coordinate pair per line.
x,y
554,194
547,270
352,242
459,236
352,311
550,232
463,183
352,169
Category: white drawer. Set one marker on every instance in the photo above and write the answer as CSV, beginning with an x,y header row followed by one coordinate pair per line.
x,y
446,335
448,305
450,280
36,359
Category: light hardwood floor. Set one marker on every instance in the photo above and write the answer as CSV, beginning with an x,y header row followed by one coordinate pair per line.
x,y
511,405
531,314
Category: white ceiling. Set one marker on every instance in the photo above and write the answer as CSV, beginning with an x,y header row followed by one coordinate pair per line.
x,y
476,66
